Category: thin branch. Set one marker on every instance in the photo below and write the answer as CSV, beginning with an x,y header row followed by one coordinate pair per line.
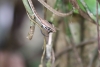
x,y
65,50
93,57
54,11
50,38
99,1
82,13
88,11
53,58
49,46
98,27
49,52
44,51
45,10
86,16
76,53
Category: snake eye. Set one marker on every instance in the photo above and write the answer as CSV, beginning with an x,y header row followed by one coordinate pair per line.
x,y
47,28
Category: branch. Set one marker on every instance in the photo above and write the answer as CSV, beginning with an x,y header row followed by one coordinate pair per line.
x,y
88,11
97,20
54,11
82,13
93,57
78,45
76,54
45,10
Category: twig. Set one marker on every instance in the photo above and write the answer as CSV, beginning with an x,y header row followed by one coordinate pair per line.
x,y
49,50
42,57
54,11
53,58
76,54
99,1
49,46
45,10
50,38
98,27
88,11
93,57
82,13
78,45
44,51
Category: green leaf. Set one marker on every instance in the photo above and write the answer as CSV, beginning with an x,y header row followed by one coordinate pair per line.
x,y
80,5
91,4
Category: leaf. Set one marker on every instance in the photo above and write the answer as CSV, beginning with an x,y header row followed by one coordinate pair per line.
x,y
80,5
91,4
